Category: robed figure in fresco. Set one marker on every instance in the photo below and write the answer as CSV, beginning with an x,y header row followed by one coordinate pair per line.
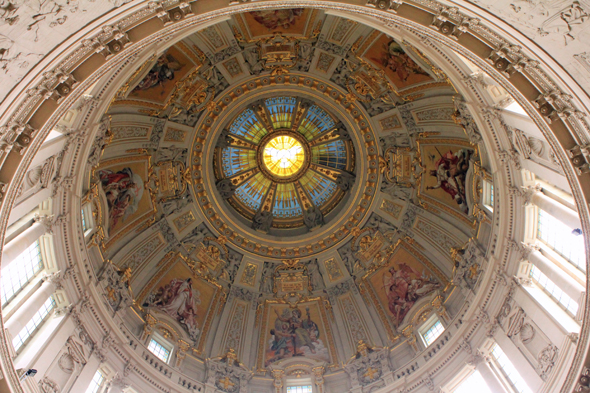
x,y
162,71
450,172
276,19
404,286
294,335
123,190
398,61
179,300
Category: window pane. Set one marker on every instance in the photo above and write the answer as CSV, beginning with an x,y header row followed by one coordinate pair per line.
x,y
553,290
299,389
473,383
509,370
559,237
157,349
33,324
21,271
84,224
432,334
96,382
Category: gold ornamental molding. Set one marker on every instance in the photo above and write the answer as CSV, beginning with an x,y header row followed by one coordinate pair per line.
x,y
354,212
549,101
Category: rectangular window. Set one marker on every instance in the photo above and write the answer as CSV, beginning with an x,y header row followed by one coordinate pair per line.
x,y
160,351
20,272
473,383
27,332
299,389
553,291
560,238
84,223
96,382
432,333
509,371
488,195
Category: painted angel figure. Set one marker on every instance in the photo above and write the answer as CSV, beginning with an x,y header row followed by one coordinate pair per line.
x,y
162,71
180,300
123,190
403,287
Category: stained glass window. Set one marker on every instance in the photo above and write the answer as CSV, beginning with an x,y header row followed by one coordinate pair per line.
x,y
331,154
281,111
280,159
283,155
235,160
252,191
248,126
319,188
316,122
286,204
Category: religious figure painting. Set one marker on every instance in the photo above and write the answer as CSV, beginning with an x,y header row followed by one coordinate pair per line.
x,y
401,282
286,21
447,169
123,190
158,83
123,182
183,297
385,53
294,332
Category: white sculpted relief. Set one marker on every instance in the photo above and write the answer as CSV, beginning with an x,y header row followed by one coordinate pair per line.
x,y
32,28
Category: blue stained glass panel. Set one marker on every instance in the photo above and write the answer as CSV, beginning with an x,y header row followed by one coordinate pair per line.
x,y
248,126
235,160
253,190
281,111
315,122
318,187
286,204
331,154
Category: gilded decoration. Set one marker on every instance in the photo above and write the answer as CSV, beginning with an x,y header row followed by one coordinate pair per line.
x,y
263,114
333,269
448,169
312,336
123,183
181,285
385,286
282,157
249,274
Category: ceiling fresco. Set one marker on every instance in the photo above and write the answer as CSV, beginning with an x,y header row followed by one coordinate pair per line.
x,y
278,169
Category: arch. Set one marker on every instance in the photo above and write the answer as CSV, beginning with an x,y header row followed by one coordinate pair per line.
x,y
41,106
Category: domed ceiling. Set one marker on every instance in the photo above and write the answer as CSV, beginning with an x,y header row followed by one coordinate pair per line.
x,y
287,159
282,165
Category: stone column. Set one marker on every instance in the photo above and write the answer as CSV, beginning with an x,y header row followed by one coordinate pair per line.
x,y
563,213
29,204
563,280
26,312
488,376
20,243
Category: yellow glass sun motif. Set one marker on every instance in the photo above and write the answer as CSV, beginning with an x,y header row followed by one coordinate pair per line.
x,y
283,155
